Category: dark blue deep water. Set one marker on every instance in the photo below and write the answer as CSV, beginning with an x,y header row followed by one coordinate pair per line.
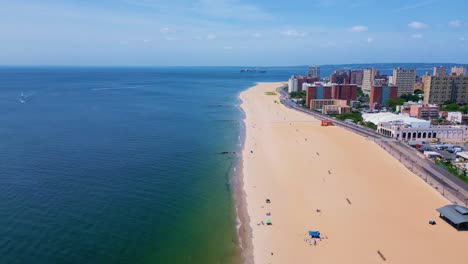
x,y
121,165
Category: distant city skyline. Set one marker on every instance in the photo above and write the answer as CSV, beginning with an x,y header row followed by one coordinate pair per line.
x,y
231,32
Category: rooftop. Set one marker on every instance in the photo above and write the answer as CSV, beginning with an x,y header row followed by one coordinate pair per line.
x,y
388,117
456,214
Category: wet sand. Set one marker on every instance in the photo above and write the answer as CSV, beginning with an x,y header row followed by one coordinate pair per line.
x,y
361,199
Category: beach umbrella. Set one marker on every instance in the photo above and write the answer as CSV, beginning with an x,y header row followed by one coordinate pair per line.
x,y
268,222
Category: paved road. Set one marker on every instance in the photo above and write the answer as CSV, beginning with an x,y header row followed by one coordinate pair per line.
x,y
446,180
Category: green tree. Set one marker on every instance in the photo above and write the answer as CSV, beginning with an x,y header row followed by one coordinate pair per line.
x,y
464,109
392,103
410,97
418,91
298,94
452,107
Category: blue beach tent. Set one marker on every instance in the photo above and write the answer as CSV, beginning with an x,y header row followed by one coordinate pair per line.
x,y
314,234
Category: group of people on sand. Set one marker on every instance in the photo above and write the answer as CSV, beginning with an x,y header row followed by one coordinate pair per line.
x,y
268,222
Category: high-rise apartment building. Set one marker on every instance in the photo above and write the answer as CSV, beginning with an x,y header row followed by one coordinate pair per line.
x,y
404,79
440,71
314,71
317,90
458,70
295,82
438,90
346,92
368,79
379,95
339,76
355,76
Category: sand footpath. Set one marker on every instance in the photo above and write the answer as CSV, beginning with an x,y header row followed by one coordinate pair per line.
x,y
364,202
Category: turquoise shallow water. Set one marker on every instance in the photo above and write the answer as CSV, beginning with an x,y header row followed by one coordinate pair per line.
x,y
121,165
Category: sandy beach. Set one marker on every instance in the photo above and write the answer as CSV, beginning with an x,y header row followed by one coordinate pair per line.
x,y
361,199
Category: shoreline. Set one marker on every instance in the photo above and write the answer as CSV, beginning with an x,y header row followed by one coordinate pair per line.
x,y
240,196
273,135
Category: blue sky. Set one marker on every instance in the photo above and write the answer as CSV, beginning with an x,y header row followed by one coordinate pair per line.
x,y
231,32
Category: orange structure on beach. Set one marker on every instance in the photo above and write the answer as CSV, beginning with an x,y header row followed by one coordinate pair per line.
x,y
327,123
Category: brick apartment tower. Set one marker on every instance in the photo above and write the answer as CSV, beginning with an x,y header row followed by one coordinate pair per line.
x,y
318,92
346,92
379,95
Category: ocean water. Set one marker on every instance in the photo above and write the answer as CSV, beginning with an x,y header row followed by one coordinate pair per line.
x,y
121,165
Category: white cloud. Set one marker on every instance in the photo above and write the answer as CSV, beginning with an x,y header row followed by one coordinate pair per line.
x,y
170,38
417,25
359,29
293,33
146,40
227,48
370,40
417,36
455,23
462,39
211,37
256,35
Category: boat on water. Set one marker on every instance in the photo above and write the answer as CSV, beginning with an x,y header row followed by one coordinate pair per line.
x,y
22,98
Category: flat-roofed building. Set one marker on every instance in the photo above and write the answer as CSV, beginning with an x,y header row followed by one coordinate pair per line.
x,y
368,79
313,71
424,111
438,90
317,90
404,79
458,70
295,82
457,117
402,131
346,92
335,109
379,95
355,76
318,104
440,71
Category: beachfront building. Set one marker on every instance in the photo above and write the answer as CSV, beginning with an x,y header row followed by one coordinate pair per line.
x,y
458,70
292,84
355,76
404,79
317,90
399,129
336,109
382,117
440,71
313,71
438,90
295,82
345,91
455,215
379,95
368,79
330,106
424,111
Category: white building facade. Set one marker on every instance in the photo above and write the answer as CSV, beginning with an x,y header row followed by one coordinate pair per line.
x,y
293,84
402,131
314,71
